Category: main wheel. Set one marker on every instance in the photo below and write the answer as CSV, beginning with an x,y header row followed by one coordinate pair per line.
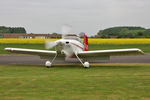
x,y
48,64
86,65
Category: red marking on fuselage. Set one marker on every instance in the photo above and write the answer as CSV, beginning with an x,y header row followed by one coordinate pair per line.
x,y
72,56
78,46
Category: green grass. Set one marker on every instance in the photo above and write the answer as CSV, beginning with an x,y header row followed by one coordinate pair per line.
x,y
102,82
144,47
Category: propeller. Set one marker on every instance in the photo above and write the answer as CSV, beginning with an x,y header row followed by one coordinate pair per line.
x,y
50,44
66,29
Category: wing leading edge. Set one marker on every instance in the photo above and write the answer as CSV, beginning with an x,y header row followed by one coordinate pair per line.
x,y
44,54
114,52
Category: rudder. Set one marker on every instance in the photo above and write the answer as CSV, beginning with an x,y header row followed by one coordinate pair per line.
x,y
85,43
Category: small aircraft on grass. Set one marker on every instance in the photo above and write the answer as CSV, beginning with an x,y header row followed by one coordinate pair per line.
x,y
72,47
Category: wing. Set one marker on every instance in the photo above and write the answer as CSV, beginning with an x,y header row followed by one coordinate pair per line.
x,y
105,54
42,53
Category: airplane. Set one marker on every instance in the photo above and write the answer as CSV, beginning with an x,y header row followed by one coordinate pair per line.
x,y
72,47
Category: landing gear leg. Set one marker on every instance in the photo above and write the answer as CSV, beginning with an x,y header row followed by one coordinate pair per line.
x,y
85,64
48,64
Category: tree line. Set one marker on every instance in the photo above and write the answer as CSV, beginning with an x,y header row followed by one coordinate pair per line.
x,y
124,32
4,29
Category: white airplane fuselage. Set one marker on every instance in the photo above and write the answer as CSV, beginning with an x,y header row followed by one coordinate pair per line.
x,y
69,47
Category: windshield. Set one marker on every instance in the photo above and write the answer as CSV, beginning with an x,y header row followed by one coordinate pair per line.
x,y
73,38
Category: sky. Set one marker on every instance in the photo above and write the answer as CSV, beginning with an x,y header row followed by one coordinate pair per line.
x,y
89,16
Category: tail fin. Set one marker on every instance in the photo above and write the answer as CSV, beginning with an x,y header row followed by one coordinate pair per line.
x,y
85,43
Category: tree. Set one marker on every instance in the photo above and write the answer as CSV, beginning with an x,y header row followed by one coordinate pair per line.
x,y
124,32
4,29
140,33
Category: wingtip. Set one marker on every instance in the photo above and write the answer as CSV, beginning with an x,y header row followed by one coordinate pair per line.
x,y
142,52
7,49
139,50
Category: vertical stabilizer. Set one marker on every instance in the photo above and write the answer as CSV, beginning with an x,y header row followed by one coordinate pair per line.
x,y
85,43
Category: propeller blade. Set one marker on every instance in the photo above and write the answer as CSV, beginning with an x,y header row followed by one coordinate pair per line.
x,y
50,44
66,29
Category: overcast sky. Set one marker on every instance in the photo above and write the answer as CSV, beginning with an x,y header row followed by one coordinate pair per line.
x,y
89,16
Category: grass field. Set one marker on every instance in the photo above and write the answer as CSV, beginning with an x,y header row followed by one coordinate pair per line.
x,y
101,82
144,47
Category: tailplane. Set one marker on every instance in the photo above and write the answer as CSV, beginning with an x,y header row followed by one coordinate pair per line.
x,y
85,43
